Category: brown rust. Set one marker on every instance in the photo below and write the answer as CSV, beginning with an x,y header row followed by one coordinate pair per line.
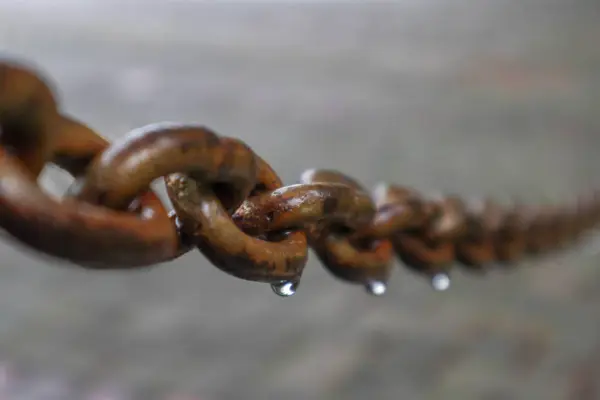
x,y
475,249
82,233
33,133
510,237
540,230
231,205
354,261
127,168
448,221
398,209
423,255
427,230
297,206
563,225
28,115
77,145
204,219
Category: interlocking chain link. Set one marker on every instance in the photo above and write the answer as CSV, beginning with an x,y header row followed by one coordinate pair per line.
x,y
233,207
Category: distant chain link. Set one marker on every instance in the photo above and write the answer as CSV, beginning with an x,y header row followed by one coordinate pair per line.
x,y
232,206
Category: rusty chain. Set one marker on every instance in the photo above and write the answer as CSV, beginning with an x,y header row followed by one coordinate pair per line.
x,y
232,206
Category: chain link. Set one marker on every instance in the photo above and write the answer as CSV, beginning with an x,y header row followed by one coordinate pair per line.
x,y
233,207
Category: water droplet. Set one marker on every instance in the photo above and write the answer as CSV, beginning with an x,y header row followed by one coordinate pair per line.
x,y
376,288
285,289
440,282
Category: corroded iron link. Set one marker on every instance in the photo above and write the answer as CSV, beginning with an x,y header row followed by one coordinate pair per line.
x,y
233,207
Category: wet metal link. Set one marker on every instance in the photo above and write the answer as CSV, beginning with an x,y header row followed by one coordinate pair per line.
x,y
271,257
233,207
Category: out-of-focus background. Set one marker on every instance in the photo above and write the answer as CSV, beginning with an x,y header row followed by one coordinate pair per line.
x,y
497,97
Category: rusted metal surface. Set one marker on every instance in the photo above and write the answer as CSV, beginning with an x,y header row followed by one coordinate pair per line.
x,y
492,98
232,205
208,224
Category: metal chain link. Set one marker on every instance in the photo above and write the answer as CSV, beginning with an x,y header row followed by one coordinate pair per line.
x,y
232,206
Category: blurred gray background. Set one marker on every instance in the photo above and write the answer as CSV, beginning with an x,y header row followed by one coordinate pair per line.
x,y
497,97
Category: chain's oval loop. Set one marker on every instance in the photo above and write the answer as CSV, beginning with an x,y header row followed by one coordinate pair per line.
x,y
127,168
83,233
268,258
398,209
298,206
33,133
364,261
426,244
147,233
422,255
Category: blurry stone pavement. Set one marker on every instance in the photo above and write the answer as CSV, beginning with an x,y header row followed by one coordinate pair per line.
x,y
489,97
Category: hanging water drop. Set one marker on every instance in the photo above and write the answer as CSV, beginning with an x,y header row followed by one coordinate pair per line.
x,y
285,289
440,282
376,288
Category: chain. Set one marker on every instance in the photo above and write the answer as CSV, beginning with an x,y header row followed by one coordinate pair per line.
x,y
232,206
